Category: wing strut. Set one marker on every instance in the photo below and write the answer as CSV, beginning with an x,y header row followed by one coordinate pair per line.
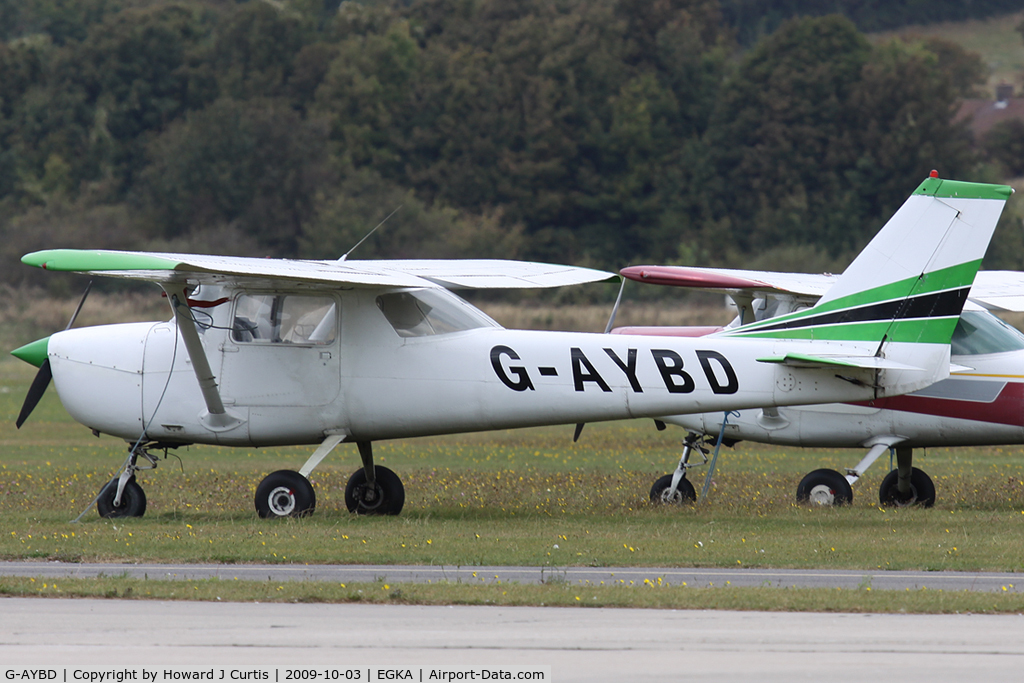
x,y
217,418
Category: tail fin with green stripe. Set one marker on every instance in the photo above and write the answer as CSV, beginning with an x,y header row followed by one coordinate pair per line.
x,y
900,299
911,281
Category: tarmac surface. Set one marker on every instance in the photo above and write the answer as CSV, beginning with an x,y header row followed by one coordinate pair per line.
x,y
571,644
568,644
775,578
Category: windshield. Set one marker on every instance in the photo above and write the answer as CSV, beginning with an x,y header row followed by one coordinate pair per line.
x,y
426,312
980,332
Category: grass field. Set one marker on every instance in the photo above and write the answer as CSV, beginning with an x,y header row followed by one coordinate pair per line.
x,y
527,497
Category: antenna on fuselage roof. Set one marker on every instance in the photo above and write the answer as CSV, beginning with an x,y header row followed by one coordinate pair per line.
x,y
367,235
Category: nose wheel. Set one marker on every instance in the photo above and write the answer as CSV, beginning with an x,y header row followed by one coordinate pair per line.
x,y
122,496
132,503
675,488
662,492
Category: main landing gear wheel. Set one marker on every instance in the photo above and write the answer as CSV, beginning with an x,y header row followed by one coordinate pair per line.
x,y
385,497
285,494
825,488
133,500
684,492
922,490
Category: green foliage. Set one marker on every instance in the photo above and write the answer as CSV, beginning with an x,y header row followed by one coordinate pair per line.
x,y
568,116
967,71
819,137
597,132
257,163
1004,144
364,199
255,50
61,20
1006,251
754,19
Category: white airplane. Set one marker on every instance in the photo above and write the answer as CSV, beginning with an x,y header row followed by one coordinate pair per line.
x,y
271,352
981,403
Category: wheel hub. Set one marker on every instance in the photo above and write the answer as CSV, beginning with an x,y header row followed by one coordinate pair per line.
x,y
370,496
901,502
822,495
282,501
676,497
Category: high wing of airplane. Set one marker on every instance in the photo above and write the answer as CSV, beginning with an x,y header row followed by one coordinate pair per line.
x,y
273,352
981,403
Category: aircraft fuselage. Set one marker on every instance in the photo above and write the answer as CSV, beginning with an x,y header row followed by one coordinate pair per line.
x,y
373,372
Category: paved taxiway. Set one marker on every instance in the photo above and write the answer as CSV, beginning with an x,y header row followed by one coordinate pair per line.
x,y
775,578
594,645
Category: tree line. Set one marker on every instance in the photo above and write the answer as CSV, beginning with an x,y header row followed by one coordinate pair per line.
x,y
593,132
754,19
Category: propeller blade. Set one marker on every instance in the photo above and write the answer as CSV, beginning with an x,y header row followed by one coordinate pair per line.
x,y
35,392
81,303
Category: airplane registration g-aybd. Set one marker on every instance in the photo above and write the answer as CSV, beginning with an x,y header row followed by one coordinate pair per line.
x,y
270,352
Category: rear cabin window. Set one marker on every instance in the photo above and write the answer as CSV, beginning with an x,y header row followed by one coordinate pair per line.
x,y
980,332
426,312
285,319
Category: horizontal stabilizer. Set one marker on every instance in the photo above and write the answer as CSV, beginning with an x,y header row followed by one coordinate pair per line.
x,y
804,360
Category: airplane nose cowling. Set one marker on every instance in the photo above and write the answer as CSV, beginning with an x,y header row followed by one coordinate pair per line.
x,y
97,372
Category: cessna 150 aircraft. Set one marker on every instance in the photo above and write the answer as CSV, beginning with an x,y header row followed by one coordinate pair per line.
x,y
981,403
271,352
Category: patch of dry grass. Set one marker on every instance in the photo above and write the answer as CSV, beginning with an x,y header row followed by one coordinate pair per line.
x,y
30,314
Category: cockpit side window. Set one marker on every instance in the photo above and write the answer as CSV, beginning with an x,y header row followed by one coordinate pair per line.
x,y
285,319
425,312
980,332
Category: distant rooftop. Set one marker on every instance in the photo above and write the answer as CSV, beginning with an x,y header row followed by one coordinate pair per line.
x,y
983,113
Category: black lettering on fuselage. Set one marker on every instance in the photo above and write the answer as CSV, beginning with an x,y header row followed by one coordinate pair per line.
x,y
579,361
629,367
670,364
731,385
522,381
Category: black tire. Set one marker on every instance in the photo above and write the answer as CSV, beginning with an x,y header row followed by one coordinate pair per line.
x,y
285,493
921,488
684,492
386,498
826,488
133,500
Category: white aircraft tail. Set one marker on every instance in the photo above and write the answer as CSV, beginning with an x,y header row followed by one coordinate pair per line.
x,y
904,293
